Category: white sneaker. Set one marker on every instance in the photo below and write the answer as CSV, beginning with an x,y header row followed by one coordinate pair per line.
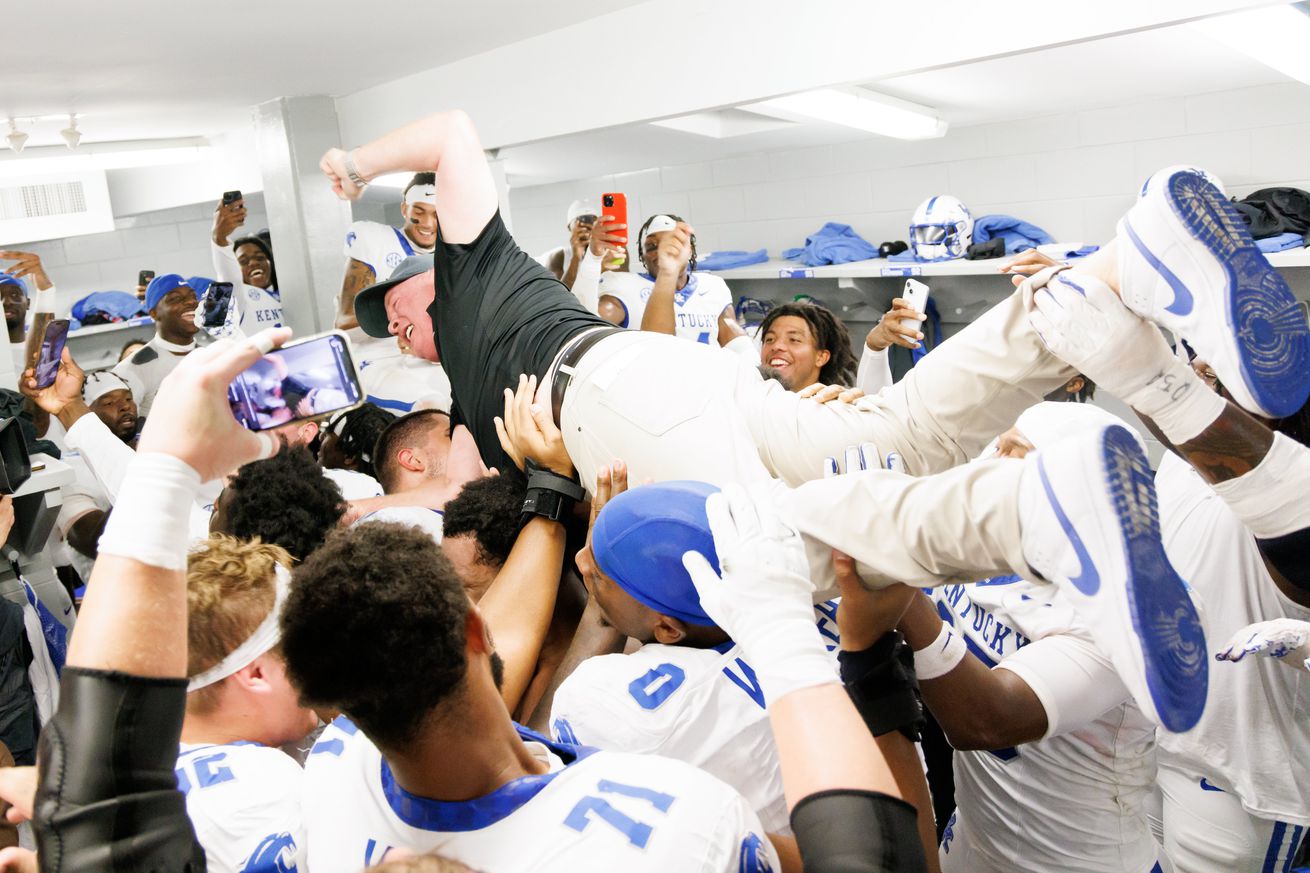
x,y
1188,263
1091,526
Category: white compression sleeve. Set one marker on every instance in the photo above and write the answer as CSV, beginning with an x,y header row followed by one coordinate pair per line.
x,y
875,372
1271,499
586,283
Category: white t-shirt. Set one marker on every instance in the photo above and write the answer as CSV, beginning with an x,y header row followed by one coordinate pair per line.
x,y
1076,799
149,365
696,307
244,801
354,485
84,494
593,811
1253,740
381,246
701,706
394,380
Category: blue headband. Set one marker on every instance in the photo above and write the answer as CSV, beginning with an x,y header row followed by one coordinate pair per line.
x,y
640,537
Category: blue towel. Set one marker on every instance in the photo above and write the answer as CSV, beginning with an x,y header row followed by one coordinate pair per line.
x,y
1079,253
832,244
116,305
1281,243
1019,235
728,260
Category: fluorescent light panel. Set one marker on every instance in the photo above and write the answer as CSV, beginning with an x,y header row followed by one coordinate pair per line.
x,y
857,108
1276,36
103,156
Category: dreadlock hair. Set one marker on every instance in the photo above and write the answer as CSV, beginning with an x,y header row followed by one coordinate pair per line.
x,y
357,433
830,335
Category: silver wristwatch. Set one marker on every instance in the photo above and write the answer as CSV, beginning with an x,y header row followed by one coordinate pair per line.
x,y
353,172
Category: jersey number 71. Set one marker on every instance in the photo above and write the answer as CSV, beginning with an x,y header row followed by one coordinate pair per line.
x,y
591,808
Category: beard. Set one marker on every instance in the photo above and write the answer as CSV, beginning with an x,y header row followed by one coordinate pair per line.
x,y
497,670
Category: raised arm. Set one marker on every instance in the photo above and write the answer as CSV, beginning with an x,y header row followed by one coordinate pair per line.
x,y
446,143
673,255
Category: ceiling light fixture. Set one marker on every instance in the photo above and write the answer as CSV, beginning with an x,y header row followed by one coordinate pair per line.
x,y
1276,36
857,108
72,136
16,138
107,156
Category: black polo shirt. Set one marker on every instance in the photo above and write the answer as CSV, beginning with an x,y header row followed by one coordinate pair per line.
x,y
497,313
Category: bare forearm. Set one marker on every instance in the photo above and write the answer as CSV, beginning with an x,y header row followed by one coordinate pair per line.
x,y
824,744
446,143
133,620
903,759
359,276
592,638
1230,447
519,603
659,316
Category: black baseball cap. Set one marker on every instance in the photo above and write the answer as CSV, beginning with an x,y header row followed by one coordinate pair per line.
x,y
370,304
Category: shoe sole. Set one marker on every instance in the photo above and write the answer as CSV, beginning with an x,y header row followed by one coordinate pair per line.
x,y
1172,640
1169,650
1272,339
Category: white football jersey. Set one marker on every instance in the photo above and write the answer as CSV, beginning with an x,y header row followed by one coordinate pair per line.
x,y
593,810
1072,801
381,246
701,706
244,801
258,309
696,307
1256,726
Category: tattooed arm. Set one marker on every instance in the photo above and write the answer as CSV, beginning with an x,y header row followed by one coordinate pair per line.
x,y
359,276
1230,447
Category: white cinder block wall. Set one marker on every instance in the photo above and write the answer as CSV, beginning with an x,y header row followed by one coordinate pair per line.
x,y
167,241
1072,174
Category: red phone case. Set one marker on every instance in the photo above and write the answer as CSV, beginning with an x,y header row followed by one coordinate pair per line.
x,y
618,211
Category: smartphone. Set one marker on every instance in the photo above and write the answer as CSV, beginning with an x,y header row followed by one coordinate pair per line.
x,y
916,295
615,206
307,378
52,348
230,197
214,306
144,277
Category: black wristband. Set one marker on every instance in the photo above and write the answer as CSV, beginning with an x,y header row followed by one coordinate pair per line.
x,y
851,831
881,683
549,494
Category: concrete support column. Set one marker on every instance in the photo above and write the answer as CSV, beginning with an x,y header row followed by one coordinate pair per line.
x,y
307,221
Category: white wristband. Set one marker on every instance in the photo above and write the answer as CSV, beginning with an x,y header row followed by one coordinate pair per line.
x,y
1270,499
44,300
149,522
942,656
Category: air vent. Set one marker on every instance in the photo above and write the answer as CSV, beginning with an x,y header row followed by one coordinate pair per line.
x,y
53,205
42,201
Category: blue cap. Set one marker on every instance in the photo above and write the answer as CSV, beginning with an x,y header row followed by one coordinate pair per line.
x,y
640,537
161,285
6,279
199,284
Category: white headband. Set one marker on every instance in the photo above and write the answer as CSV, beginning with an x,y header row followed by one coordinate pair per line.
x,y
659,224
100,383
421,194
577,209
265,637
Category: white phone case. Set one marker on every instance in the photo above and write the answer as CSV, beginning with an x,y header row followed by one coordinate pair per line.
x,y
916,295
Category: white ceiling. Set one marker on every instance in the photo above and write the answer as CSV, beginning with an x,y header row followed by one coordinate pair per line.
x,y
1131,68
145,69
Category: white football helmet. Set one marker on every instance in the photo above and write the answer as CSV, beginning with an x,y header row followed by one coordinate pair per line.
x,y
942,228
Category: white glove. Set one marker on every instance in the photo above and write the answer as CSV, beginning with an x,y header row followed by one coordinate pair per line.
x,y
865,456
1086,325
1286,639
764,598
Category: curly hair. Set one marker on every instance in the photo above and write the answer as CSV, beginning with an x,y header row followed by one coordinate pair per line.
x,y
830,335
489,508
285,500
357,433
375,626
230,589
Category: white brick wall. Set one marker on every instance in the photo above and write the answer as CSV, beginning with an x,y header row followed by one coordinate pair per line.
x,y
1072,174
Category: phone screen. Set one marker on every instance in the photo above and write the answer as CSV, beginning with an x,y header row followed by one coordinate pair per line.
x,y
52,348
218,297
144,277
305,379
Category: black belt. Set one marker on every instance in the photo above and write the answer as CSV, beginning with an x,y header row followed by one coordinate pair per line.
x,y
564,369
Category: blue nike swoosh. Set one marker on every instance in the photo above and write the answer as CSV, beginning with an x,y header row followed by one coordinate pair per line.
x,y
1206,786
1087,580
1182,304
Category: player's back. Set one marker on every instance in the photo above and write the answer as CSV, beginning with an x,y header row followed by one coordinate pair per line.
x,y
701,706
1076,798
593,810
696,307
244,800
